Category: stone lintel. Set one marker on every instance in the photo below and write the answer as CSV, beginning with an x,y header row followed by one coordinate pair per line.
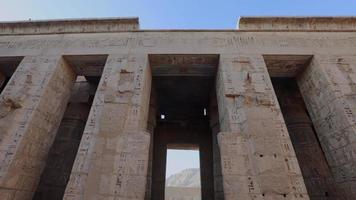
x,y
68,26
297,23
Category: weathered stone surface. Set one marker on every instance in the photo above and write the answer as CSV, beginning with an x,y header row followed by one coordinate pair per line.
x,y
64,149
68,26
113,155
31,107
327,86
298,23
257,156
315,170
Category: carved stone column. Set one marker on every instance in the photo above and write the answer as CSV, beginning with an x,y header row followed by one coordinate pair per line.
x,y
62,154
31,107
329,92
113,155
257,157
316,172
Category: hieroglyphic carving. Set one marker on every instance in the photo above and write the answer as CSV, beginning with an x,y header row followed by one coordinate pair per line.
x,y
116,132
29,120
215,41
252,146
315,169
327,87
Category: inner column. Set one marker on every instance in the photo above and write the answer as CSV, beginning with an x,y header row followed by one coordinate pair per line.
x,y
64,149
316,172
65,146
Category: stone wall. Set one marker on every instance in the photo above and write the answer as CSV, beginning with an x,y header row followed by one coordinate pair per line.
x,y
297,23
68,26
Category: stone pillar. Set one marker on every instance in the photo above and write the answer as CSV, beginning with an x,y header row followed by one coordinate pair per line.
x,y
151,124
31,107
215,129
62,153
112,159
207,165
257,157
329,92
159,162
65,146
315,169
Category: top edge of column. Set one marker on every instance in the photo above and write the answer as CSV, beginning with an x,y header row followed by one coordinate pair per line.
x,y
300,23
59,26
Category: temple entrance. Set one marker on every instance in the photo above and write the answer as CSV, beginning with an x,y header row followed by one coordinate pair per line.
x,y
183,86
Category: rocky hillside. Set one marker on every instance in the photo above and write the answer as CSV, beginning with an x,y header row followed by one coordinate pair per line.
x,y
186,178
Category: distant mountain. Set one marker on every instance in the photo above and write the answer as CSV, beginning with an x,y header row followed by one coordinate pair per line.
x,y
186,178
184,185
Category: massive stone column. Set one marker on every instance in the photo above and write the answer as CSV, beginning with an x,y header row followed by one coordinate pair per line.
x,y
315,169
62,153
31,107
329,92
65,146
113,155
257,157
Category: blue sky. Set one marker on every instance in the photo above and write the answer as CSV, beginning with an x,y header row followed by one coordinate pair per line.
x,y
177,160
175,14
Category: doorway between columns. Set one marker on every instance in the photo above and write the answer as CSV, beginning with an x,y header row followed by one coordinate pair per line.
x,y
183,89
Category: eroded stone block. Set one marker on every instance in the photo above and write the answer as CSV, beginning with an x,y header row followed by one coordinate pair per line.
x,y
29,120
